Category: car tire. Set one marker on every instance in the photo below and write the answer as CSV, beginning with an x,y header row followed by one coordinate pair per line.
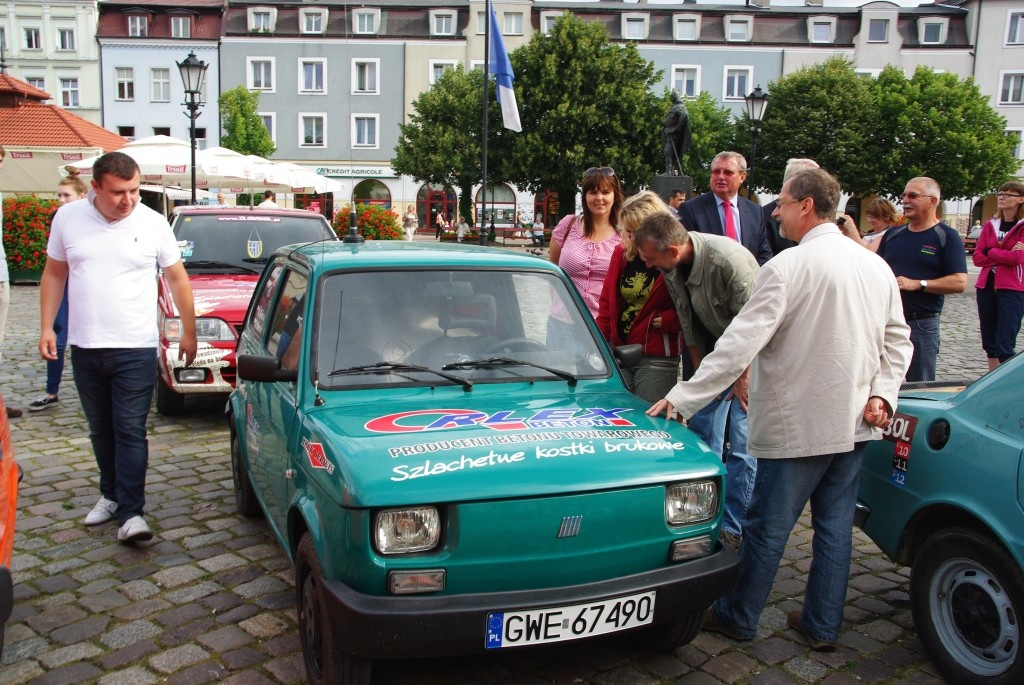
x,y
674,633
325,662
245,496
967,597
168,402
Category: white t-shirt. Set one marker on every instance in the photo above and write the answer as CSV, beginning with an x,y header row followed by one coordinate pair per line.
x,y
112,269
538,227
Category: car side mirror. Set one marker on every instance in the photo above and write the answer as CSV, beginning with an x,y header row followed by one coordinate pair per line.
x,y
261,369
628,356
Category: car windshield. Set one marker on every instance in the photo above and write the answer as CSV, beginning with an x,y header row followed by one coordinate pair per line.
x,y
241,242
376,328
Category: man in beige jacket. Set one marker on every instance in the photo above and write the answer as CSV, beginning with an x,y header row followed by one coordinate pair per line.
x,y
824,335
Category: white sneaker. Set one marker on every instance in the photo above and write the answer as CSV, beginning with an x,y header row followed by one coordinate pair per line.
x,y
134,530
101,513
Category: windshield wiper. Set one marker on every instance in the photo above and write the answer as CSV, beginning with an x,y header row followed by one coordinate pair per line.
x,y
506,361
393,367
213,264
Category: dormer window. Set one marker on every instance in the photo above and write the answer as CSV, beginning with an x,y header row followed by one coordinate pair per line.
x,y
932,30
138,25
548,19
686,27
314,21
181,27
821,29
634,25
442,23
262,19
739,28
878,31
367,21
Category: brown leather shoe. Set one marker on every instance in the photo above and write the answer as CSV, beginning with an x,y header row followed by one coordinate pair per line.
x,y
793,621
713,625
14,413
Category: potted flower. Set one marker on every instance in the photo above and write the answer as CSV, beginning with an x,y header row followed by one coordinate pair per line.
x,y
26,221
373,222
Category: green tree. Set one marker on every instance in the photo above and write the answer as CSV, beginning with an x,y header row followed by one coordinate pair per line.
x,y
441,142
711,126
244,131
584,101
939,126
824,112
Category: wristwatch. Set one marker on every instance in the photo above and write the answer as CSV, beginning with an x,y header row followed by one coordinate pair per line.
x,y
924,284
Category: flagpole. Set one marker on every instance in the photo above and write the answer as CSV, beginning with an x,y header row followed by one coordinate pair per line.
x,y
487,78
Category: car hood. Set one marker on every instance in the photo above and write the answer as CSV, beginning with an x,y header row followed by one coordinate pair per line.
x,y
486,447
224,296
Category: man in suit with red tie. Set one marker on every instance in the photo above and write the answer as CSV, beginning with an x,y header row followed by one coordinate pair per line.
x,y
743,222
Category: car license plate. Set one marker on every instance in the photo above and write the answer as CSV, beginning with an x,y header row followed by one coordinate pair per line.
x,y
558,624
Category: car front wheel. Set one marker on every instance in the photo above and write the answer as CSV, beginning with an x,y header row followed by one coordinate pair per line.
x,y
168,402
967,596
325,661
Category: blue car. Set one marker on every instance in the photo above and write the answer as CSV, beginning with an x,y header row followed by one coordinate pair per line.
x,y
942,494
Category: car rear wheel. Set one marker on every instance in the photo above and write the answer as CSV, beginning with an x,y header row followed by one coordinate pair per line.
x,y
967,597
325,661
168,402
245,496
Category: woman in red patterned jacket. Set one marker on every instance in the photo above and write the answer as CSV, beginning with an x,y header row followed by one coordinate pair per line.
x,y
635,307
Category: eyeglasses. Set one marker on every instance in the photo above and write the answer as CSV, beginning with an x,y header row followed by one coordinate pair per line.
x,y
914,196
1002,194
603,170
783,203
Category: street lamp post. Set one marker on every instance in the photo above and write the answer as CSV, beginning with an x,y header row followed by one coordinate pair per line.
x,y
757,101
193,71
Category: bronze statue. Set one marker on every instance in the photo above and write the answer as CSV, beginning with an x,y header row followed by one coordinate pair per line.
x,y
677,135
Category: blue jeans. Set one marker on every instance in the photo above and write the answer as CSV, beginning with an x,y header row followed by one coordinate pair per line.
x,y
924,334
999,316
710,425
115,387
55,368
784,486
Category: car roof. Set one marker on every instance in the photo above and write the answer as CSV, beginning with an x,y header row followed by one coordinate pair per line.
x,y
379,254
238,209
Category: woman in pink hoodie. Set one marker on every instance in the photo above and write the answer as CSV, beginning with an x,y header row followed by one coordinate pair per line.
x,y
1000,287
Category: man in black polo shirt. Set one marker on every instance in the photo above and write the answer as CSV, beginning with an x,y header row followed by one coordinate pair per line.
x,y
928,259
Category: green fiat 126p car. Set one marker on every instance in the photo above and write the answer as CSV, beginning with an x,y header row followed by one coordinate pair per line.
x,y
450,473
943,494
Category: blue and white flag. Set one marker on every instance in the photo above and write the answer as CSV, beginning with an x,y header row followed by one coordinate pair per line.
x,y
503,77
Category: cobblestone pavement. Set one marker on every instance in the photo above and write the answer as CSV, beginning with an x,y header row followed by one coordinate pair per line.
x,y
211,597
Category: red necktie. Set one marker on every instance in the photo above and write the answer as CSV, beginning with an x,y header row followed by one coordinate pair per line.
x,y
730,222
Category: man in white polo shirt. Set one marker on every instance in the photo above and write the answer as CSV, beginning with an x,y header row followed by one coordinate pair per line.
x,y
108,250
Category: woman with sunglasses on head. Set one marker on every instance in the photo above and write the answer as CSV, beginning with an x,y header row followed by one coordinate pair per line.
x,y
1000,286
582,245
71,188
636,307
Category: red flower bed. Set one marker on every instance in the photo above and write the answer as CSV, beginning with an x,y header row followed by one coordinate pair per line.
x,y
372,221
26,230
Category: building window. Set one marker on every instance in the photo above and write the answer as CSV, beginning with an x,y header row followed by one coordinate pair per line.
x,y
1015,134
69,92
366,20
932,31
166,131
872,73
311,76
314,21
878,31
311,127
481,23
32,39
686,80
261,73
36,82
200,138
124,77
821,29
364,130
126,132
260,22
268,121
437,68
442,23
1011,91
65,39
738,29
160,85
737,82
181,27
634,26
547,21
138,26
364,76
513,24
1015,28
687,28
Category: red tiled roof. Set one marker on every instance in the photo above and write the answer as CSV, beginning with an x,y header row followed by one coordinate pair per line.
x,y
11,85
35,124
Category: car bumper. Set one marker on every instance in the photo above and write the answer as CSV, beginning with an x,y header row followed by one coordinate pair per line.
x,y
410,626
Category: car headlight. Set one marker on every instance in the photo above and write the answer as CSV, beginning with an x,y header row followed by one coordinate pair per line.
x,y
207,330
688,503
402,531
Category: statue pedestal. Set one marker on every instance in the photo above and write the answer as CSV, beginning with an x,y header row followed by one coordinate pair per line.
x,y
664,184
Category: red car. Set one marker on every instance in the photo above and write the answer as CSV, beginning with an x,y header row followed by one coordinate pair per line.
x,y
224,250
